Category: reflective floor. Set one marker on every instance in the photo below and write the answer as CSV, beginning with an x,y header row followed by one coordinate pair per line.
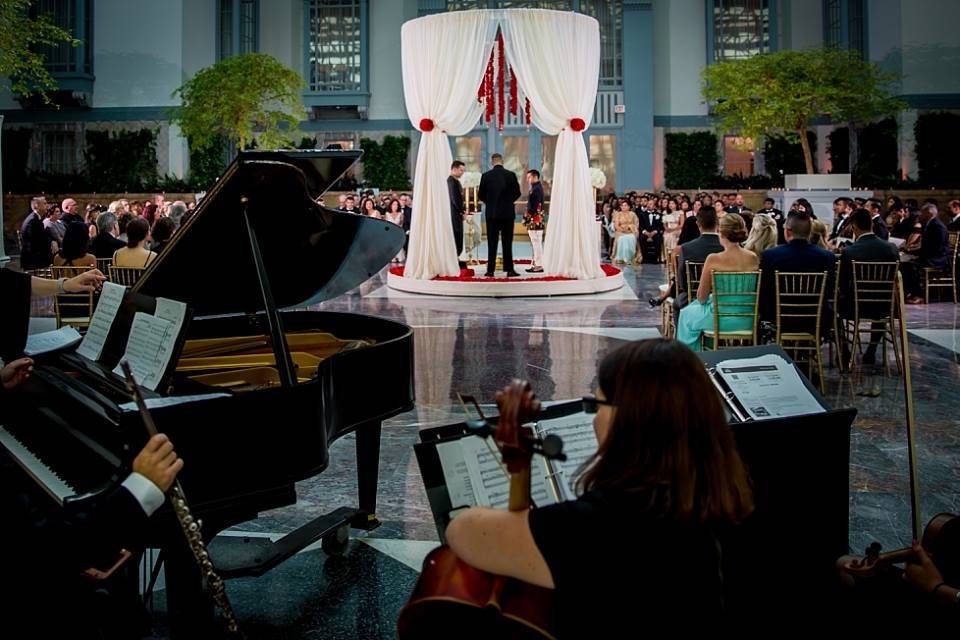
x,y
476,346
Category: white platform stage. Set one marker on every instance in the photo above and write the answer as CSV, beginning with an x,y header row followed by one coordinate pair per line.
x,y
475,284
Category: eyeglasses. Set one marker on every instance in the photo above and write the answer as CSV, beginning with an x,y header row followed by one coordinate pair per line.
x,y
591,404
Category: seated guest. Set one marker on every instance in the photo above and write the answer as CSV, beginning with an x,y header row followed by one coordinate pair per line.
x,y
162,232
698,315
625,228
36,250
954,222
651,236
177,211
797,256
696,251
776,214
879,226
106,243
867,247
76,243
842,209
54,226
802,205
666,470
150,213
933,252
369,208
763,234
135,254
689,229
818,234
69,212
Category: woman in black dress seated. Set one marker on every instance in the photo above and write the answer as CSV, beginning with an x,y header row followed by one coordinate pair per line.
x,y
640,546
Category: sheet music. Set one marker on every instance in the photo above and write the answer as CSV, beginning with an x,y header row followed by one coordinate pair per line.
x,y
40,343
149,349
173,311
490,481
579,443
170,401
768,387
107,306
456,475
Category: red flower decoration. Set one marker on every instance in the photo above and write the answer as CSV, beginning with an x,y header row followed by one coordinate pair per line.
x,y
577,124
426,125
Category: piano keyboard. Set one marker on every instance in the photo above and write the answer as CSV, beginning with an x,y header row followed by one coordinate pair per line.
x,y
35,467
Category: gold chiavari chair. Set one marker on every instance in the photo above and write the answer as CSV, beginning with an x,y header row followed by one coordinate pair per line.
x,y
73,309
104,264
837,330
799,304
666,309
736,298
127,276
874,302
945,278
694,271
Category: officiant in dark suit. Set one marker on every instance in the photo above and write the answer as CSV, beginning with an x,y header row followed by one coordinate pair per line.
x,y
499,189
457,207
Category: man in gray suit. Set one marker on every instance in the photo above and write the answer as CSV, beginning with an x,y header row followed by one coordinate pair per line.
x,y
696,250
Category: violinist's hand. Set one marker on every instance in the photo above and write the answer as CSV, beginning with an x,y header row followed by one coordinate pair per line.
x,y
921,572
87,281
16,373
517,402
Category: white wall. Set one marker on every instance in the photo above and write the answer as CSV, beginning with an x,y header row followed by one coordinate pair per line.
x,y
281,31
930,46
801,24
386,76
199,36
679,54
137,52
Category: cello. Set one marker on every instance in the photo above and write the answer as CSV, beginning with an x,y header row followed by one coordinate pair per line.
x,y
452,595
942,532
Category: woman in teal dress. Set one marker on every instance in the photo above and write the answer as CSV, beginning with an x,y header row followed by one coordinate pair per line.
x,y
626,225
698,315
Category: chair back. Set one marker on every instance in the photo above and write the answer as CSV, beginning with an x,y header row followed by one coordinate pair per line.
x,y
694,272
104,264
73,309
874,289
127,276
799,302
736,297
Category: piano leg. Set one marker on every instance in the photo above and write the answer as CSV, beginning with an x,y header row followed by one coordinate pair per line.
x,y
190,610
368,474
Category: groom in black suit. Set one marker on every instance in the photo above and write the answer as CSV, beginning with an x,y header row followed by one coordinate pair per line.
x,y
499,190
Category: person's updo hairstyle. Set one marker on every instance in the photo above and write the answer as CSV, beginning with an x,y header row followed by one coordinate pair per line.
x,y
733,228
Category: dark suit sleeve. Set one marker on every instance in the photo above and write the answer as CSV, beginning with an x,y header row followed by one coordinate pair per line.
x,y
456,195
514,187
484,186
535,199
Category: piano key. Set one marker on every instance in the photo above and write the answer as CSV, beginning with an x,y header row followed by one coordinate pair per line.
x,y
46,477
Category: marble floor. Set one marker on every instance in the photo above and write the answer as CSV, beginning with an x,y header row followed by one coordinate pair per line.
x,y
476,346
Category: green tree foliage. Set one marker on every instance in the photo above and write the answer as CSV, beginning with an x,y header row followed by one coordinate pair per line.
x,y
207,164
937,136
783,92
385,164
691,159
247,99
23,34
121,160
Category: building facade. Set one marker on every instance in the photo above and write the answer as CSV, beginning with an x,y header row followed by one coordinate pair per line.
x,y
135,53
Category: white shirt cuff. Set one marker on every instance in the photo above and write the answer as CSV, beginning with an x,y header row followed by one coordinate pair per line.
x,y
145,492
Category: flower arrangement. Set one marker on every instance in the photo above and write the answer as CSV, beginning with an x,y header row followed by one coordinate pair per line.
x,y
598,179
535,220
470,179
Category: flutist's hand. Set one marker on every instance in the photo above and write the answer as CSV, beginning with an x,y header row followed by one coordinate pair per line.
x,y
16,373
158,462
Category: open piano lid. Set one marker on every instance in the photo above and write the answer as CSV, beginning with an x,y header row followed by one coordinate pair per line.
x,y
309,253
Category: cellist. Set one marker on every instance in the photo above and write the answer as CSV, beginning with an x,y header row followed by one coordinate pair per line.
x,y
653,504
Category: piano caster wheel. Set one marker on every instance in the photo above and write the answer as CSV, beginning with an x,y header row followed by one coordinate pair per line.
x,y
336,543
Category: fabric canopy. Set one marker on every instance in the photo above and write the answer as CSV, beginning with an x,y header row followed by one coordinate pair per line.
x,y
556,58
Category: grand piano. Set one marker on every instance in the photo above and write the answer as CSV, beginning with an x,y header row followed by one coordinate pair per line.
x,y
278,385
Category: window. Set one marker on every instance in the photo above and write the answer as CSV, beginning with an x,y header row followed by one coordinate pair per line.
x,y
741,28
603,155
58,152
843,24
738,155
334,48
548,149
516,158
75,17
467,150
238,22
610,17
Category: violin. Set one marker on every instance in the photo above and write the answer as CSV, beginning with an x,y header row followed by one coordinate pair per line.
x,y
452,595
940,534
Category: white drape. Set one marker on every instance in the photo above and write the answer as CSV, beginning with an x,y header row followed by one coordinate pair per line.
x,y
444,59
556,57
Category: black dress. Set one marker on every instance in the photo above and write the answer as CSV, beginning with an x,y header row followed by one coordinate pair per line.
x,y
617,568
15,319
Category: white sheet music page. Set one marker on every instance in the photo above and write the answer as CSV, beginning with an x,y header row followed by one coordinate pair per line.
x,y
456,475
489,478
579,443
149,349
768,387
48,341
107,306
173,311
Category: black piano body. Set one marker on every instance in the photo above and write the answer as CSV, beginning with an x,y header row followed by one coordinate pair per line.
x,y
288,382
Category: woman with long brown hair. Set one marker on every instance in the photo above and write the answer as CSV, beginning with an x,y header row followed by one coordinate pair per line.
x,y
643,538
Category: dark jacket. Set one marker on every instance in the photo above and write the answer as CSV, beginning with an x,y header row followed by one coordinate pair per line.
x,y
867,248
797,256
35,252
535,198
904,228
456,197
934,248
954,224
499,189
694,251
105,245
646,224
880,228
407,217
